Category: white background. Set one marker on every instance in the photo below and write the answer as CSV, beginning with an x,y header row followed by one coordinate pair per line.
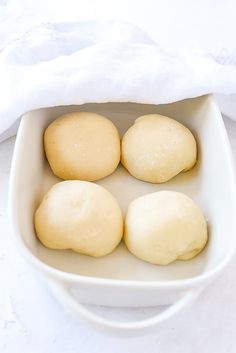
x,y
30,318
207,24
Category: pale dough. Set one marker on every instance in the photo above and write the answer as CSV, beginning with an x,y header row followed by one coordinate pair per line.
x,y
165,226
83,146
81,216
156,148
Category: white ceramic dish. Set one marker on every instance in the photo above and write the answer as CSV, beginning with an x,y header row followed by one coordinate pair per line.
x,y
120,279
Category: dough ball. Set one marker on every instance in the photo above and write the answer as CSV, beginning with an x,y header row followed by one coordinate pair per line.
x,y
165,226
156,148
82,146
81,216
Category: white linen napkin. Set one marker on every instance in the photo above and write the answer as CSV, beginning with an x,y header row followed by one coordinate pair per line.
x,y
49,64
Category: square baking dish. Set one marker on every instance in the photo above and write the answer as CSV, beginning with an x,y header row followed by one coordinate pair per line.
x,y
120,279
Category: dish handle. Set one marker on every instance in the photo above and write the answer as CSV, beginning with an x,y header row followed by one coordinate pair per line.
x,y
62,292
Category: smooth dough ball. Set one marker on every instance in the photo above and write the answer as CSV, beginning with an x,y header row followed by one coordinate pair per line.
x,y
165,226
83,146
156,148
81,216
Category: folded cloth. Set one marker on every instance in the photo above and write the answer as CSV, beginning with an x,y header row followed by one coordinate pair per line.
x,y
51,64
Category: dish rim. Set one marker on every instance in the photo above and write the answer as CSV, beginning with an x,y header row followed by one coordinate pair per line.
x,y
100,281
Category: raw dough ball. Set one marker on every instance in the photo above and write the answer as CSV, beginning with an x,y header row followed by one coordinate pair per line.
x,y
165,226
82,146
81,216
156,148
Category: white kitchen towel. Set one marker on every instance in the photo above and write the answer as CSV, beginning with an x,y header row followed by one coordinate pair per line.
x,y
49,64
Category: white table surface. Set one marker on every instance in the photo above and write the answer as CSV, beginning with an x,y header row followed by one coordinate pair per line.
x,y
32,321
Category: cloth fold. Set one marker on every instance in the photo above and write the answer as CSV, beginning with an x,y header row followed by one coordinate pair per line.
x,y
51,64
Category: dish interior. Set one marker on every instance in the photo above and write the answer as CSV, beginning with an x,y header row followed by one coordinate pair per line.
x,y
209,183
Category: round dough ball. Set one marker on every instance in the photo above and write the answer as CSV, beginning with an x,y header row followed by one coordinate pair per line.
x,y
82,146
156,148
165,226
81,216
